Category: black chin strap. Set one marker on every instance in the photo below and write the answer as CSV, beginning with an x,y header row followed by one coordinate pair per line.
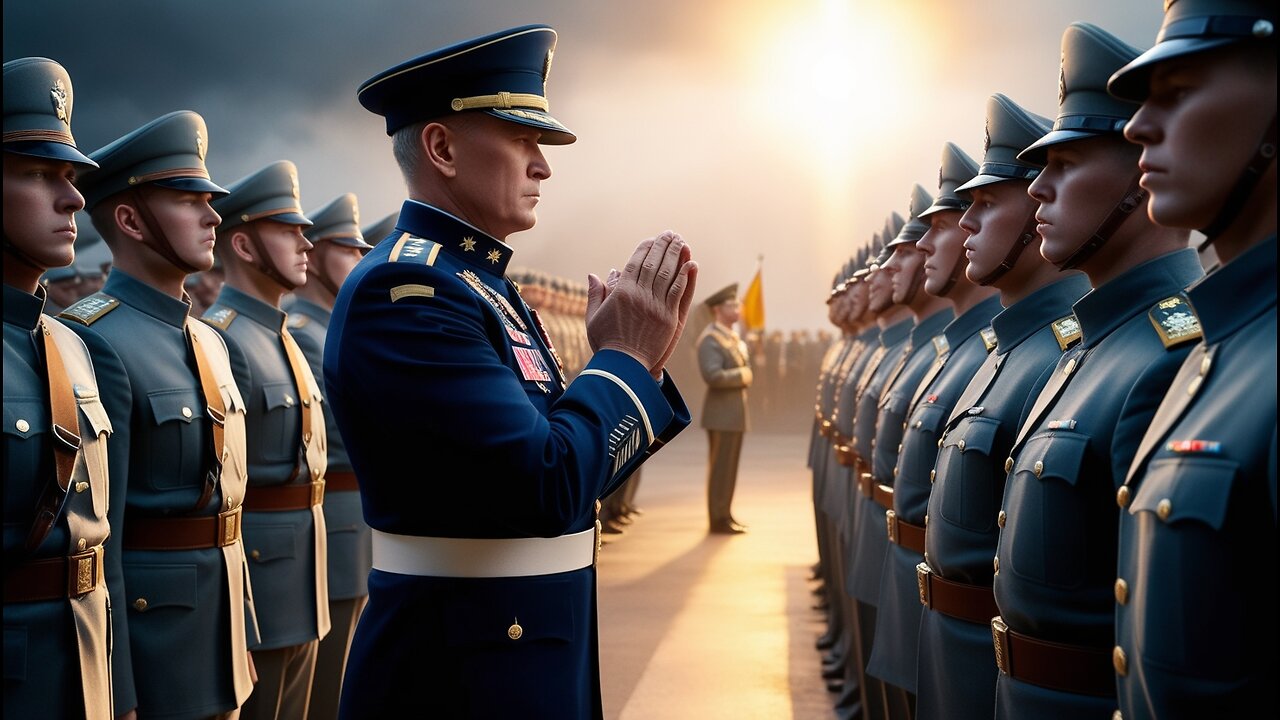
x,y
22,257
914,288
1133,198
1244,186
263,264
322,278
156,239
954,277
1025,237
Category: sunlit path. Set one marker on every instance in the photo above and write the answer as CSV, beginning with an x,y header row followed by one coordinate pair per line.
x,y
705,626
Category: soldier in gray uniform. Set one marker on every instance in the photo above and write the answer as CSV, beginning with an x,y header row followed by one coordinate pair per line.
x,y
957,352
339,245
956,670
725,367
1194,598
264,252
179,419
1055,559
57,618
905,268
378,231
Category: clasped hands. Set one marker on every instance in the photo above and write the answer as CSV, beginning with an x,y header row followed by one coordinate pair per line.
x,y
642,310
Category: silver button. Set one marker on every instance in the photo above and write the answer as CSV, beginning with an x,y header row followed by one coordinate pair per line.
x,y
22,425
186,412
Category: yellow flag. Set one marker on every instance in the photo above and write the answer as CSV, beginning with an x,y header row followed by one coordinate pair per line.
x,y
753,301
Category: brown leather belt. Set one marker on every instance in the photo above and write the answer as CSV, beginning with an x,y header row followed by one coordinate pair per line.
x,y
866,485
846,456
340,482
973,603
882,494
182,533
904,533
54,578
278,498
1071,668
825,429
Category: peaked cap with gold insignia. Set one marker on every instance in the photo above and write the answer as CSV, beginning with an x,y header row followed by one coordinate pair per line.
x,y
1010,129
338,222
38,101
268,194
168,151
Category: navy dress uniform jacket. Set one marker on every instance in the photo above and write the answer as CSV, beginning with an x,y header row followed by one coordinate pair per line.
x,y
956,666
194,599
1195,597
57,649
454,414
350,549
1055,559
960,349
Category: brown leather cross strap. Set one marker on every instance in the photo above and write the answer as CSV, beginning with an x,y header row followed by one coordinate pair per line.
x,y
182,533
296,363
973,603
66,441
277,498
216,409
904,533
1071,668
54,578
340,482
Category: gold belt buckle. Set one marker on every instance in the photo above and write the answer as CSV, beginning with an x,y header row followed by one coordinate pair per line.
x,y
317,492
229,526
922,581
85,569
1000,638
891,525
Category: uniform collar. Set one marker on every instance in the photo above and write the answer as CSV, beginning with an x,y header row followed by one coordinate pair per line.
x,y
21,308
146,299
870,333
1233,294
1022,319
897,332
973,320
456,236
251,307
931,326
1108,307
302,306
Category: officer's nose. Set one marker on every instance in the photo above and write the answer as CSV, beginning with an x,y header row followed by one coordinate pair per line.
x,y
1040,189
1141,128
968,224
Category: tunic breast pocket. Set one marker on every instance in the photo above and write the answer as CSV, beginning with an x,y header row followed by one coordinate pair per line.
x,y
1046,516
920,446
279,432
173,443
974,482
26,427
1181,511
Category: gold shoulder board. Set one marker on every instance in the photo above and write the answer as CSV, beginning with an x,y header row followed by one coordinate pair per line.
x,y
1066,330
1175,321
219,317
89,310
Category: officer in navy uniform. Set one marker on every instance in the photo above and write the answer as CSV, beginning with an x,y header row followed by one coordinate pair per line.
x,y
1194,598
883,417
482,598
956,353
264,253
57,618
956,669
339,245
1055,559
179,420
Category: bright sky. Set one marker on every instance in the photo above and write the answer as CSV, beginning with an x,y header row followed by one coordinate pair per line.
x,y
783,128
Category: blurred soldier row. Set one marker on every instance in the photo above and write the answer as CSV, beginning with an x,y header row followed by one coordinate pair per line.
x,y
186,469
1044,446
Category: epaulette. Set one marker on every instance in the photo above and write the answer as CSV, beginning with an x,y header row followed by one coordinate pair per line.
x,y
219,316
989,339
297,320
89,310
1175,321
414,250
1066,331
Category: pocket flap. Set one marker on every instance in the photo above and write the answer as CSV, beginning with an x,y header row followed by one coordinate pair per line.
x,y
1192,488
1055,454
279,394
181,404
25,417
977,435
156,586
928,417
264,543
542,612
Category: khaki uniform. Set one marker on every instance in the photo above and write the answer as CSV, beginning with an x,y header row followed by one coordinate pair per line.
x,y
725,367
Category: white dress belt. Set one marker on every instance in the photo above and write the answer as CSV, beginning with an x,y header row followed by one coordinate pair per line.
x,y
482,557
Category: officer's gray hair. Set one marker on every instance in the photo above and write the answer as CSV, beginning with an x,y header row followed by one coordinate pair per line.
x,y
406,145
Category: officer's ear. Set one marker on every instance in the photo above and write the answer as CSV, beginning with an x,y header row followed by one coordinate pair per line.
x,y
126,220
241,246
437,141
